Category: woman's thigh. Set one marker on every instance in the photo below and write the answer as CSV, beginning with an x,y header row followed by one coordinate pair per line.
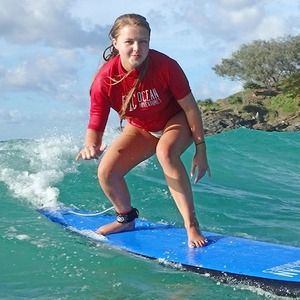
x,y
133,146
176,136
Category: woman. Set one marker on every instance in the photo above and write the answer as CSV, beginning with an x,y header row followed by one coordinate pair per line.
x,y
150,91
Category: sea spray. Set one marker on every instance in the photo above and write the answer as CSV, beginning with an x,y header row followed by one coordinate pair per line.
x,y
36,166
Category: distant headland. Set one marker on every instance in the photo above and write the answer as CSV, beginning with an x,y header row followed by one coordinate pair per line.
x,y
261,109
270,100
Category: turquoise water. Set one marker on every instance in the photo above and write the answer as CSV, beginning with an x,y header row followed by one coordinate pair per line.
x,y
254,192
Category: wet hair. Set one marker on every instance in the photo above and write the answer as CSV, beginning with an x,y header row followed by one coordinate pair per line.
x,y
111,51
120,22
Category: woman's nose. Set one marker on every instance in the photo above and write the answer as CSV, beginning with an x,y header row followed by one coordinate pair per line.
x,y
136,45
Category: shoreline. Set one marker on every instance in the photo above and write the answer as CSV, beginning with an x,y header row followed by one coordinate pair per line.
x,y
215,122
259,109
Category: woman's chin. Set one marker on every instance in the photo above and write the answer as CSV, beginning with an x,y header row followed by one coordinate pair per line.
x,y
137,62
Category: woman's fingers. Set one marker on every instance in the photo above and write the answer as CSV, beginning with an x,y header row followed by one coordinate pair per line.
x,y
90,152
200,172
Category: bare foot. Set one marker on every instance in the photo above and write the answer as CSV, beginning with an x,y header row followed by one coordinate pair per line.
x,y
115,227
195,238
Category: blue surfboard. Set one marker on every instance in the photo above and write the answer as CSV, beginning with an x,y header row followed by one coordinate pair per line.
x,y
232,260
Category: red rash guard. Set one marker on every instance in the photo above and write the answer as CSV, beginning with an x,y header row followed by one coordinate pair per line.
x,y
153,103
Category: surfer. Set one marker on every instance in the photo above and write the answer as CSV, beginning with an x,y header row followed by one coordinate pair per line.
x,y
151,92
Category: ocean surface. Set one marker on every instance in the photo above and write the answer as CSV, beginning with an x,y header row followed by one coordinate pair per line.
x,y
254,192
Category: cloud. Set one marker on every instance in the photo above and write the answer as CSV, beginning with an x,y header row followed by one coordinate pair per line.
x,y
238,4
234,22
271,27
54,75
43,49
47,23
10,116
223,20
216,89
17,123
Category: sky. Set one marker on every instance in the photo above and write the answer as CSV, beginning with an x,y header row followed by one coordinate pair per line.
x,y
51,49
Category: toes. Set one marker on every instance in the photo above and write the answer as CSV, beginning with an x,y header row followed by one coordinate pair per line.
x,y
197,244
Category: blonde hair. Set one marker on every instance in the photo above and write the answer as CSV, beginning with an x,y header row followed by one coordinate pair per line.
x,y
111,51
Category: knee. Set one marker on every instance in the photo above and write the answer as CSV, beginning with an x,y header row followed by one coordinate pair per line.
x,y
165,154
105,176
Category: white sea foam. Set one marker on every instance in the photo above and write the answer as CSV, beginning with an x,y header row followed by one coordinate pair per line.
x,y
22,237
90,234
33,187
261,292
31,169
167,263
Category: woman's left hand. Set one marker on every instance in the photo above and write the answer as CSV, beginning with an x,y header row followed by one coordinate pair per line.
x,y
200,164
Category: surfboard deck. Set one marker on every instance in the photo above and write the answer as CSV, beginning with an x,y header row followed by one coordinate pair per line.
x,y
272,267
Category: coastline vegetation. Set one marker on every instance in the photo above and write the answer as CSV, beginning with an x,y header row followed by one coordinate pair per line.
x,y
270,74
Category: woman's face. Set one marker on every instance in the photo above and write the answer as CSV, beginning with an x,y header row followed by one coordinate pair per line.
x,y
133,46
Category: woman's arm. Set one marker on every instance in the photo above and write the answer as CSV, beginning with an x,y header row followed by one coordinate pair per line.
x,y
193,115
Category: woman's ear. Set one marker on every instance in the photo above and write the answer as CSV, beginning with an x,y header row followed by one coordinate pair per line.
x,y
114,43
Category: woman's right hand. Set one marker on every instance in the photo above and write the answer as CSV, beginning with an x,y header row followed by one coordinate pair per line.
x,y
90,152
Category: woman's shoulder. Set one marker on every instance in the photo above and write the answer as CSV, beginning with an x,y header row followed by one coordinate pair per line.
x,y
159,57
108,67
163,62
106,71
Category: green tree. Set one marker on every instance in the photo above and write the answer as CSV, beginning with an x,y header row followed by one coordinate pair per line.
x,y
264,63
291,85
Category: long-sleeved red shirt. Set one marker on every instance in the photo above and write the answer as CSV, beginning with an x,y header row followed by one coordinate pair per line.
x,y
154,101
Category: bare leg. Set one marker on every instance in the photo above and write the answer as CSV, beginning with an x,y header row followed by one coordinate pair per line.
x,y
175,139
130,148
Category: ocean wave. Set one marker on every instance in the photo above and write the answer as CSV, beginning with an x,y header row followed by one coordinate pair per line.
x,y
31,168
